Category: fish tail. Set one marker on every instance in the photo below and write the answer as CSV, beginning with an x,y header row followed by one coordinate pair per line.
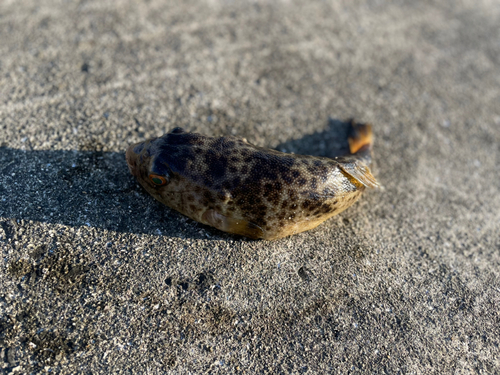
x,y
356,166
360,140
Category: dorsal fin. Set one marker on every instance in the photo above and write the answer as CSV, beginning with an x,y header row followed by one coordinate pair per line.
x,y
359,171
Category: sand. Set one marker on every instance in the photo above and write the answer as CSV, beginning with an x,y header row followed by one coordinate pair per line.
x,y
97,277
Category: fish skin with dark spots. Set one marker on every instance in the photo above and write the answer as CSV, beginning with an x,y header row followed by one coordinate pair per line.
x,y
256,192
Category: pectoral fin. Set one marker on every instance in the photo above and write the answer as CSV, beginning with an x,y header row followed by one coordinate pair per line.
x,y
232,225
360,173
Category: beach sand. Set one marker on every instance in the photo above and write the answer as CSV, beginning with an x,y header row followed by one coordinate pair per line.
x,y
97,277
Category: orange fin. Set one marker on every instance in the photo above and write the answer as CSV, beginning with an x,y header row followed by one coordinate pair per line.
x,y
360,137
232,225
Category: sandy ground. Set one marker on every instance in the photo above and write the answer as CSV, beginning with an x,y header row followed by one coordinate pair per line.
x,y
97,277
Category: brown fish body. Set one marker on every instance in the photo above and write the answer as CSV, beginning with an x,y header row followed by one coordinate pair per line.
x,y
256,192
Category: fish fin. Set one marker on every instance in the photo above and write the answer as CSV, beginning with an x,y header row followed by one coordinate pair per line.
x,y
360,141
360,137
360,172
232,225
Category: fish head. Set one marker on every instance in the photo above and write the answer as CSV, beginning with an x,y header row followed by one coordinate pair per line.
x,y
160,164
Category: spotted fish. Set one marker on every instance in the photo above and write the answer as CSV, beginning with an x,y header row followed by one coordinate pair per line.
x,y
252,191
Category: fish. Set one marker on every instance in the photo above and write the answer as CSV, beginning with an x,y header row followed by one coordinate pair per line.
x,y
237,187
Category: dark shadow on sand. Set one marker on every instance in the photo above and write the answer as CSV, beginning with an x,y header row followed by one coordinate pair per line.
x,y
328,143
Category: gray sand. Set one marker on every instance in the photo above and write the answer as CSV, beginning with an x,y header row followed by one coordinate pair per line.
x,y
97,277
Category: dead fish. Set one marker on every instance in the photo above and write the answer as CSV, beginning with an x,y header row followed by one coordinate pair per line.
x,y
253,191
